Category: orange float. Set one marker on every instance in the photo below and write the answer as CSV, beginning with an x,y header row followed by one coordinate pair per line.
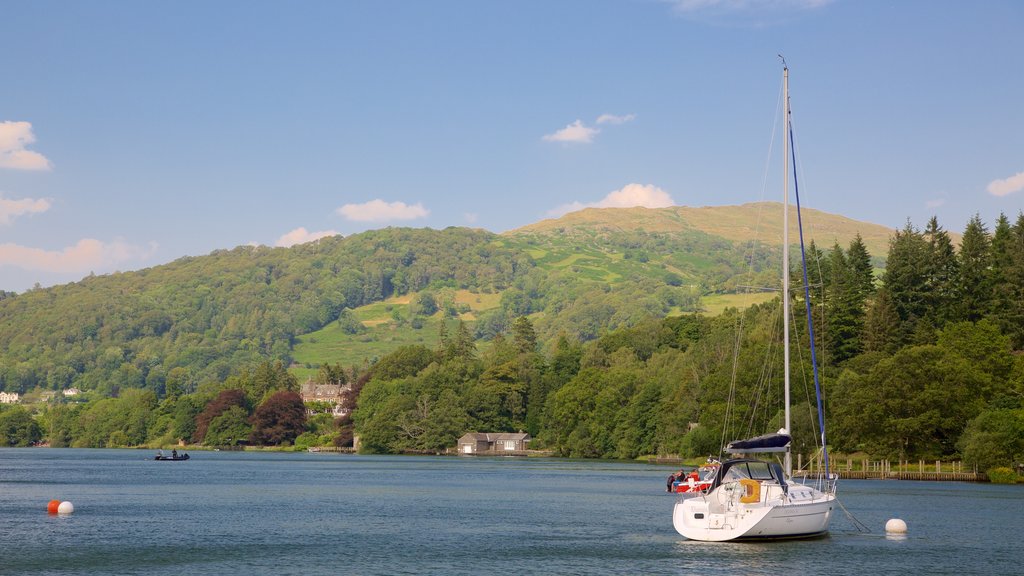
x,y
52,506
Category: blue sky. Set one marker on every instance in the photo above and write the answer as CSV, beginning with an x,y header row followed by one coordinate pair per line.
x,y
135,133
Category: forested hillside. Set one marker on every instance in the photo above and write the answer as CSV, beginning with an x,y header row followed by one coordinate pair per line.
x,y
590,338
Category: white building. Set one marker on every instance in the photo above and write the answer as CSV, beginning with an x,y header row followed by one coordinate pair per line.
x,y
9,397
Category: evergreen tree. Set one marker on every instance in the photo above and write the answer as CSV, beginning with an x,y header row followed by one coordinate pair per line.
x,y
941,271
974,289
844,309
523,335
859,261
905,279
881,325
1005,294
1014,314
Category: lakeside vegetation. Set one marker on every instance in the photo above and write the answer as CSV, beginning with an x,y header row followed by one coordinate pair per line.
x,y
602,347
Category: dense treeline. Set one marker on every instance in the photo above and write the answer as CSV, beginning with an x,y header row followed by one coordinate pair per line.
x,y
918,362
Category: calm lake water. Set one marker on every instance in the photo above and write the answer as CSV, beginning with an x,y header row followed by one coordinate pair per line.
x,y
246,513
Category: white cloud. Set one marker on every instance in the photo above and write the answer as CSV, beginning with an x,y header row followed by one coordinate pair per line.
x,y
613,119
576,132
300,236
87,255
471,217
381,211
1008,186
629,196
14,137
935,203
10,209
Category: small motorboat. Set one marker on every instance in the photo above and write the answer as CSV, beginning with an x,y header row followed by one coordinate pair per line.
x,y
173,457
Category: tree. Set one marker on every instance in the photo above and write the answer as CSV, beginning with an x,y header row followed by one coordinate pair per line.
x,y
332,374
403,362
229,428
974,289
881,324
1008,278
906,280
941,272
224,401
18,428
279,419
266,378
994,438
523,335
914,404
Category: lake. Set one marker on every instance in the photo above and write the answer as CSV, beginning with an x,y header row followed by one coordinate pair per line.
x,y
254,513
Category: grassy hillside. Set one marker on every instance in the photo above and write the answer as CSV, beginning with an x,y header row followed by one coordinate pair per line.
x,y
754,222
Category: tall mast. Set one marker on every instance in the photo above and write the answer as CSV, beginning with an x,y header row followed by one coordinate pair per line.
x,y
785,254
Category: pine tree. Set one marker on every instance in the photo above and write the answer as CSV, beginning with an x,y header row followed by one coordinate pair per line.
x,y
1008,278
881,325
974,288
844,309
859,261
941,273
905,279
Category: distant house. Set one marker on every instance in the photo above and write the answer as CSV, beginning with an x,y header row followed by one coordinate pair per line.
x,y
331,394
72,392
480,442
9,397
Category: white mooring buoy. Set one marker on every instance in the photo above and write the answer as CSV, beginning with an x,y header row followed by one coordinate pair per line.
x,y
895,526
65,508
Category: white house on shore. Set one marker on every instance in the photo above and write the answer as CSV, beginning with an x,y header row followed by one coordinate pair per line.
x,y
9,397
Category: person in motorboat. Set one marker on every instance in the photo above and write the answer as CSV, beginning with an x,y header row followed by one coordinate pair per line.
x,y
699,479
673,479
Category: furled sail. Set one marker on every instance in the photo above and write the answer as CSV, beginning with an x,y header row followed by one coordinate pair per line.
x,y
777,442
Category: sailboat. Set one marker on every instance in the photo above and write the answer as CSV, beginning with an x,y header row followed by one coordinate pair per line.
x,y
751,498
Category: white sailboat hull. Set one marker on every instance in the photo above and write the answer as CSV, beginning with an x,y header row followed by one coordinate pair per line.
x,y
720,516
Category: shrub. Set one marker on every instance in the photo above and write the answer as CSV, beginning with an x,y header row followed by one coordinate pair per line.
x,y
1001,475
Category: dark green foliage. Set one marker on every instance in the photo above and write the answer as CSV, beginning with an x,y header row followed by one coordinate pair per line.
x,y
18,428
229,428
906,280
974,289
994,438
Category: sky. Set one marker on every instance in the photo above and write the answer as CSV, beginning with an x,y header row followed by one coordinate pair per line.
x,y
136,133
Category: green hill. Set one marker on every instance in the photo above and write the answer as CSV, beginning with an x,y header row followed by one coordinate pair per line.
x,y
352,299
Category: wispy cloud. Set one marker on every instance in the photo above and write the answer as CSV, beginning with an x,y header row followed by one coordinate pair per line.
x,y
629,196
1007,186
381,211
300,236
14,137
755,13
85,256
613,119
471,217
580,133
576,132
935,203
10,209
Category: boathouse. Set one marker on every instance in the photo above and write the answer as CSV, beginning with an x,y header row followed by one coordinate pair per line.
x,y
493,442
